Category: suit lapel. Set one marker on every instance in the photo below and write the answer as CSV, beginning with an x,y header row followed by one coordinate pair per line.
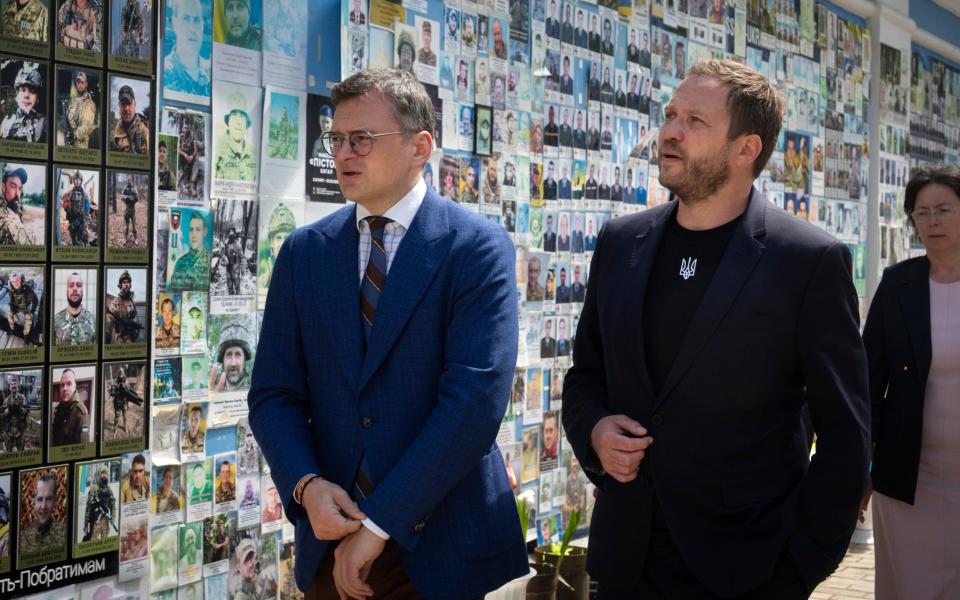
x,y
739,260
420,253
915,302
336,288
642,256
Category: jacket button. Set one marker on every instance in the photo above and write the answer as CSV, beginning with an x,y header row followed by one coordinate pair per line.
x,y
657,420
420,525
366,422
905,368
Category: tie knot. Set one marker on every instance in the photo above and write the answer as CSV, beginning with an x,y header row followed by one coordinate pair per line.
x,y
377,224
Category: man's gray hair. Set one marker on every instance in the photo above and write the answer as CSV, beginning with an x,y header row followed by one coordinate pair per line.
x,y
412,106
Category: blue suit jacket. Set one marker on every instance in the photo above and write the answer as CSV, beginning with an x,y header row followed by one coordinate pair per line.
x,y
431,389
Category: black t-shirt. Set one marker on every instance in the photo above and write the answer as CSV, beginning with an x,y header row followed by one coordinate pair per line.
x,y
684,266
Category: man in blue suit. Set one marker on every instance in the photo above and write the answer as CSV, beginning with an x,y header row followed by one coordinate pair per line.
x,y
384,368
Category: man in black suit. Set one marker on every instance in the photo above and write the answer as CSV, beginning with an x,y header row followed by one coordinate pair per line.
x,y
684,402
616,191
589,241
633,96
603,191
620,96
633,51
607,37
606,88
577,289
579,135
593,85
645,51
566,80
580,34
553,23
566,133
565,182
548,343
594,34
563,290
590,187
566,35
550,183
551,133
549,236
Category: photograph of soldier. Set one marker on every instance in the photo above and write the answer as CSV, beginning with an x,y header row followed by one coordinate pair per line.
x,y
133,539
6,529
77,207
25,20
235,158
23,209
127,207
231,343
283,22
193,428
167,327
195,375
97,488
238,23
125,309
218,534
163,558
72,408
23,100
249,505
188,252
77,112
128,123
248,451
284,129
186,53
124,391
188,154
233,267
272,506
21,307
166,482
167,147
325,122
79,27
226,478
191,552
73,323
166,380
20,417
255,575
199,479
131,23
43,510
287,581
164,431
279,222
135,486
193,322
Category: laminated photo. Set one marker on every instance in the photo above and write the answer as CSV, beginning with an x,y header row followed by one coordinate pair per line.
x,y
233,267
163,558
193,323
128,122
44,507
283,146
22,394
165,435
195,369
187,48
24,120
237,113
237,40
166,330
279,219
285,43
198,477
77,106
193,428
124,319
127,208
76,215
73,412
124,404
191,155
167,502
97,519
189,249
190,565
23,211
26,27
131,31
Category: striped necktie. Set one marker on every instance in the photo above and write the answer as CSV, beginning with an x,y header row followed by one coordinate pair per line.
x,y
375,275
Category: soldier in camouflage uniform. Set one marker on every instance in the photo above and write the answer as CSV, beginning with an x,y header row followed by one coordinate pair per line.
x,y
70,415
81,114
240,31
101,508
76,207
23,304
27,123
13,232
25,19
245,582
167,334
226,488
233,356
248,457
282,222
192,270
234,254
236,161
184,70
188,159
14,413
136,486
131,29
79,24
118,393
131,135
194,438
130,197
325,118
164,175
123,322
45,534
74,325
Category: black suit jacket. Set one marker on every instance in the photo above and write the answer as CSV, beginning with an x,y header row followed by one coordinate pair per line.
x,y
777,328
897,338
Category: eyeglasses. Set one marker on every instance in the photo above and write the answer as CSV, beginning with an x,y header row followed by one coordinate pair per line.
x,y
361,142
944,212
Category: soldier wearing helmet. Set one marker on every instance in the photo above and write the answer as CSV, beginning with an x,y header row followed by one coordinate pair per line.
x,y
233,355
27,123
130,197
76,208
281,223
235,262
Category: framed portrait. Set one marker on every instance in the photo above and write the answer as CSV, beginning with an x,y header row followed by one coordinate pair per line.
x,y
128,122
79,32
22,393
73,412
44,509
26,29
24,121
77,108
23,212
484,140
75,313
127,204
75,226
124,407
131,31
96,502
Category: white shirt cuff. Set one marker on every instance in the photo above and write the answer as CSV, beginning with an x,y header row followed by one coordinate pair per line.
x,y
373,527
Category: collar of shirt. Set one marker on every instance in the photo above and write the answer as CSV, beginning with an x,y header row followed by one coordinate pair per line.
x,y
401,213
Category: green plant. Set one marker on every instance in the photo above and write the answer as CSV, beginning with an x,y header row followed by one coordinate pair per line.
x,y
563,548
523,511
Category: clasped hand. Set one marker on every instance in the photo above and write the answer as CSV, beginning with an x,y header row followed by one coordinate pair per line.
x,y
620,444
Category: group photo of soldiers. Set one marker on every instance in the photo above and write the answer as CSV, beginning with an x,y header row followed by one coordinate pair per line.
x,y
21,416
77,207
124,386
233,267
23,203
127,209
23,100
21,306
